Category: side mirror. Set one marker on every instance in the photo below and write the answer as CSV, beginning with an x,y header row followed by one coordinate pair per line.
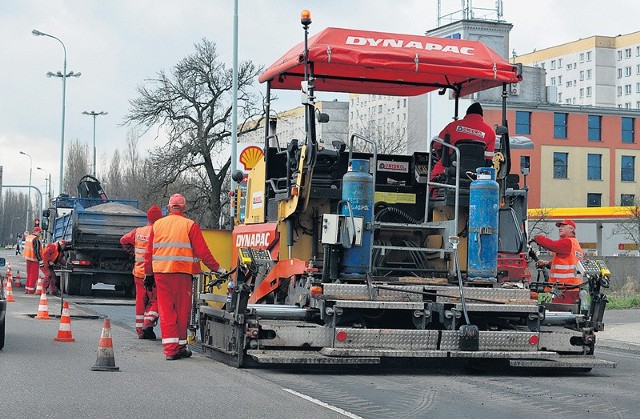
x,y
237,176
46,213
323,118
44,224
501,130
2,261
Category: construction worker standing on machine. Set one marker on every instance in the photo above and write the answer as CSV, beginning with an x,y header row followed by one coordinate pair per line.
x,y
567,254
135,242
31,253
175,247
52,257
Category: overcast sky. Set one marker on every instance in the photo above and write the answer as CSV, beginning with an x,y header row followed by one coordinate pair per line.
x,y
117,44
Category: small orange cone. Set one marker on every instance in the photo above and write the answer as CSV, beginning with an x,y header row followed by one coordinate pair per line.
x,y
17,278
64,331
43,308
105,361
8,290
39,289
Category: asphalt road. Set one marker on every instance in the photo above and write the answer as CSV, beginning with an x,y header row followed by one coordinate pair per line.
x,y
46,379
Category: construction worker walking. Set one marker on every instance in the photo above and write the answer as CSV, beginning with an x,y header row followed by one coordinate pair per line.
x,y
31,254
52,257
175,247
135,242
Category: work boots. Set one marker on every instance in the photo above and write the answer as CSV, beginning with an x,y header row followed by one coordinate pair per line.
x,y
148,333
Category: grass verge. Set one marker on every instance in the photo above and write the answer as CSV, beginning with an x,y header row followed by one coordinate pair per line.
x,y
620,301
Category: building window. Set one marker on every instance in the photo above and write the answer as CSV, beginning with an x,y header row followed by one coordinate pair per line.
x,y
581,75
553,81
560,165
627,168
560,97
559,62
588,74
589,91
559,125
619,73
619,90
594,128
523,122
637,68
594,166
627,89
553,64
637,51
627,53
581,93
582,57
588,55
627,130
559,80
627,71
594,200
619,55
627,200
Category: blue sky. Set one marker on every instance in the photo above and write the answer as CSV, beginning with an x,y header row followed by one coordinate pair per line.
x,y
117,44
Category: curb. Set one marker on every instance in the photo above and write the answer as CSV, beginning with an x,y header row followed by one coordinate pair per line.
x,y
618,345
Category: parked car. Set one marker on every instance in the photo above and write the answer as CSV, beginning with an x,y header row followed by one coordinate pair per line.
x,y
3,307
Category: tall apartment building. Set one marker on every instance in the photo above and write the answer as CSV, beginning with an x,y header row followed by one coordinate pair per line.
x,y
601,71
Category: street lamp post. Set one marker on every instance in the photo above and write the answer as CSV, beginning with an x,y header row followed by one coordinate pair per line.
x,y
36,32
47,184
94,114
29,204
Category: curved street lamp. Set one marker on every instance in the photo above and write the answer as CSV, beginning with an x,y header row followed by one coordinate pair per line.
x,y
64,75
94,114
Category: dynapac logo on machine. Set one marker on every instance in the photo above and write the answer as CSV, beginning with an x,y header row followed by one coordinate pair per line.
x,y
401,43
262,239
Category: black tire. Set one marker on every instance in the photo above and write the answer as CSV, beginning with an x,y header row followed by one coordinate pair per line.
x,y
73,284
2,333
85,286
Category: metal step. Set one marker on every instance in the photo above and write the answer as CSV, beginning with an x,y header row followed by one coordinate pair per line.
x,y
431,227
306,357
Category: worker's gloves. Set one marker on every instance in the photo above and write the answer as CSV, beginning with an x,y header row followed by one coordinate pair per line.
x,y
149,283
41,263
221,271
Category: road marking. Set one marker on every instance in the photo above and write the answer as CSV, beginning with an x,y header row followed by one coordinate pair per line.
x,y
323,404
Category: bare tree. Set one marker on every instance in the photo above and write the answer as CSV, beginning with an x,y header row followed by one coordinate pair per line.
x,y
114,179
193,105
629,228
539,222
76,166
390,138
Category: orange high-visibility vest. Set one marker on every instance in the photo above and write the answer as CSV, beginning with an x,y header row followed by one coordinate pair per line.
x,y
172,251
140,245
564,269
29,251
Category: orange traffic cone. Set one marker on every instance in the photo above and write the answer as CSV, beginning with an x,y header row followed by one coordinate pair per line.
x,y
39,289
17,278
43,308
105,361
8,290
64,331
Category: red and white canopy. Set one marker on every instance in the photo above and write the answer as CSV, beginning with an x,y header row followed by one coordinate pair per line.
x,y
356,61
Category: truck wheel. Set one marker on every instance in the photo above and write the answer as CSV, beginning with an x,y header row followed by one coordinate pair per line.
x,y
73,285
85,287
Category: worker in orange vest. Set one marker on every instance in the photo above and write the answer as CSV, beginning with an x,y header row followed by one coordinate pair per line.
x,y
176,246
564,265
52,257
135,242
31,253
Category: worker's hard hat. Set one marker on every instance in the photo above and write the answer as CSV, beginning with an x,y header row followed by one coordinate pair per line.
x,y
177,201
37,230
566,222
154,213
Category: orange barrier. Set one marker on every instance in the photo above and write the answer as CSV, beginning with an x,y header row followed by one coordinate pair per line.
x,y
105,361
43,308
64,331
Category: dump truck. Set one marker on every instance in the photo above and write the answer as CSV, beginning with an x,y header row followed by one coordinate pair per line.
x,y
344,256
92,224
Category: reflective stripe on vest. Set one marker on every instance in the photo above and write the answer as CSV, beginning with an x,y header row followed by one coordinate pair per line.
x,y
140,249
172,251
564,269
29,251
